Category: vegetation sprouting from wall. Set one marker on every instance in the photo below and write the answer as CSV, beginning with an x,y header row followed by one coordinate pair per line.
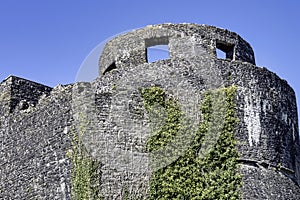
x,y
193,175
85,172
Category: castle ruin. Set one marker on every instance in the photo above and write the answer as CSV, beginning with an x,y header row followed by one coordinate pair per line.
x,y
88,140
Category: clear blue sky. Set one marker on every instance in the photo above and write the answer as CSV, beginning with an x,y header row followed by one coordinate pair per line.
x,y
46,41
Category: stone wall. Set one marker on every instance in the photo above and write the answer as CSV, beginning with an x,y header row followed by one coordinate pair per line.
x,y
267,132
184,40
34,141
39,125
266,107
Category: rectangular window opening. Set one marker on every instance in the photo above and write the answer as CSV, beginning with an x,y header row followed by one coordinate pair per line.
x,y
157,52
221,54
157,48
224,50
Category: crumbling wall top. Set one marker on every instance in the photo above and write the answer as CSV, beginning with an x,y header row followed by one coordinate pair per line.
x,y
20,93
183,41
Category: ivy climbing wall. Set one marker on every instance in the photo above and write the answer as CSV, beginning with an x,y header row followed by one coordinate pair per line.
x,y
192,175
192,126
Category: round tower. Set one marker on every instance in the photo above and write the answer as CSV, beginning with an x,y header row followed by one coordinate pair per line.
x,y
183,40
266,131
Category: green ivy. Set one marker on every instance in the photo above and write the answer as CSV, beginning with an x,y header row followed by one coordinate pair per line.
x,y
85,172
156,103
193,175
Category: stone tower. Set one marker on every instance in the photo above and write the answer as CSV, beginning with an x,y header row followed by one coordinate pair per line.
x,y
89,140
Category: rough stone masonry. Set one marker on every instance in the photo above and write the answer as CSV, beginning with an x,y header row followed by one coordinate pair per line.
x,y
88,138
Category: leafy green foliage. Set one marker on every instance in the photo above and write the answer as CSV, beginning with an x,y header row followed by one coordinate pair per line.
x,y
212,175
157,104
85,173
